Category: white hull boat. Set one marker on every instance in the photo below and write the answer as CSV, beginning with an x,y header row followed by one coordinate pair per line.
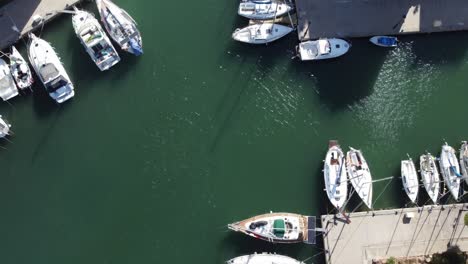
x,y
94,40
8,88
264,258
261,33
263,10
50,70
335,175
464,160
278,228
409,177
20,70
4,128
322,49
359,175
450,170
430,176
120,26
384,41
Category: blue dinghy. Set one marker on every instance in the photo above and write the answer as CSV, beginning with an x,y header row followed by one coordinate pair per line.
x,y
384,41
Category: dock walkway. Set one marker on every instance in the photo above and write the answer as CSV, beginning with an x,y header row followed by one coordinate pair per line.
x,y
364,18
16,17
389,233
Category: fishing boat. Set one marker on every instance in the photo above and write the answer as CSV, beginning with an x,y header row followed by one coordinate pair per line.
x,y
384,41
430,176
120,26
278,228
264,258
261,33
450,170
50,70
322,49
264,10
359,175
4,128
8,88
20,70
94,40
464,160
409,177
334,173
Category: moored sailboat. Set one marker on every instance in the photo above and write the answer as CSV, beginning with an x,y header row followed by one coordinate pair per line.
x,y
409,178
264,258
335,175
359,175
263,10
261,33
430,176
464,160
450,170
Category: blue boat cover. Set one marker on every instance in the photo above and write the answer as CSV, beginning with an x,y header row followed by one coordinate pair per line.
x,y
135,46
387,41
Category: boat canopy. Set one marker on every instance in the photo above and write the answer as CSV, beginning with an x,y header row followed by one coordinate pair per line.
x,y
91,35
48,72
324,46
279,228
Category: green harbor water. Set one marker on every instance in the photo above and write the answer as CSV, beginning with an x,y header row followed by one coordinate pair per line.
x,y
151,160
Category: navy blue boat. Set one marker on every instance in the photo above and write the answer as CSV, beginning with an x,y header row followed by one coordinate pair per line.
x,y
384,41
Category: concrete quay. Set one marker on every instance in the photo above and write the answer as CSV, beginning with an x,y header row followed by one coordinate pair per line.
x,y
365,18
400,232
16,17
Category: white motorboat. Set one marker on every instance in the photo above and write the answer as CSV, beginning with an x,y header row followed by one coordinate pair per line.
x,y
335,175
263,10
264,258
359,175
95,40
120,26
430,176
4,128
450,170
50,70
20,70
278,228
8,88
322,49
409,177
261,33
464,160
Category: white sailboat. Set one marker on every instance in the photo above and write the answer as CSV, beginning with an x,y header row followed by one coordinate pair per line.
x,y
8,88
334,172
464,160
409,177
94,40
261,33
264,258
430,176
322,49
20,70
450,170
359,175
120,26
4,128
50,70
264,10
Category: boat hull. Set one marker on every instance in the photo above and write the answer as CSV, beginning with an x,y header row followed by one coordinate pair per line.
x,y
449,168
263,258
430,176
409,178
8,88
263,11
384,41
359,175
464,160
261,33
20,70
311,50
335,176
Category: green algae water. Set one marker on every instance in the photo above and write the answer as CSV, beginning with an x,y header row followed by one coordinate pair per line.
x,y
151,160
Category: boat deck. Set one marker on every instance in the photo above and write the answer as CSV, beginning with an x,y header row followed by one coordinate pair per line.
x,y
389,233
364,18
19,14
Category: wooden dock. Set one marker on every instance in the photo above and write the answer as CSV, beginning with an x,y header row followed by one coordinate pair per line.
x,y
16,17
365,18
403,232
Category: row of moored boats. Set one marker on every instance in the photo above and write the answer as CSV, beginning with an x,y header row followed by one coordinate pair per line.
x,y
46,62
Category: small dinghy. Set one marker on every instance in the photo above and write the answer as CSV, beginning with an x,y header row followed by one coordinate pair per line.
x,y
322,49
334,173
94,40
264,258
450,170
8,88
464,160
278,228
384,41
263,10
409,177
20,70
430,176
359,175
4,128
120,26
261,33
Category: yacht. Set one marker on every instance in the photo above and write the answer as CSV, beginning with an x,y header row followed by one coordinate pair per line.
x,y
20,70
261,33
263,10
8,88
322,49
264,258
